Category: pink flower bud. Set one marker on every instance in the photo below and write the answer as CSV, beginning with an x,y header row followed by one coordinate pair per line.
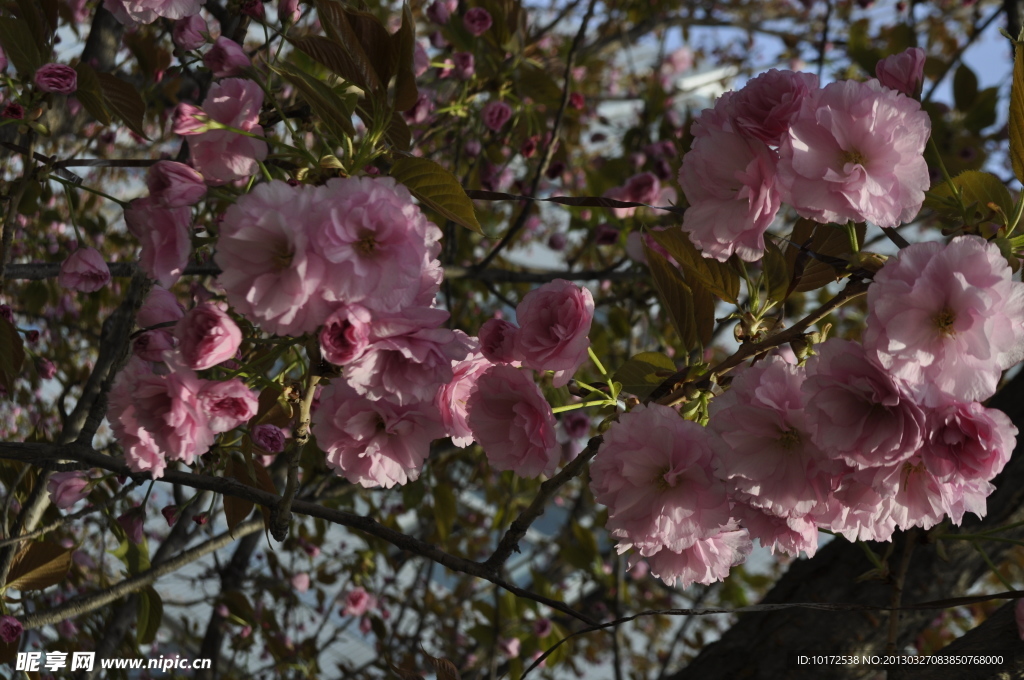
x,y
10,629
289,10
226,58
85,270
171,513
477,21
201,518
440,11
903,72
45,368
175,185
268,437
56,78
254,9
190,120
188,32
131,522
207,336
14,110
358,602
465,65
495,114
67,488
300,582
510,647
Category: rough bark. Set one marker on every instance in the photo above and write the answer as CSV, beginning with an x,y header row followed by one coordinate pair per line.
x,y
759,646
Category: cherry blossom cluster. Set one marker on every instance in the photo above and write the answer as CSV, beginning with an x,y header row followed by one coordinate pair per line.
x,y
849,151
861,439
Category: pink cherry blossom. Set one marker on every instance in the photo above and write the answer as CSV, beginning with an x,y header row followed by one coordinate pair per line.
x,y
269,437
221,155
920,499
346,334
764,444
134,12
767,104
857,411
381,249
654,472
856,509
228,403
132,523
903,72
706,561
159,307
67,488
358,602
374,443
207,336
643,188
730,182
477,20
498,340
511,420
165,235
789,535
968,442
452,397
188,32
189,120
554,322
85,270
465,65
56,78
174,185
270,273
408,358
226,58
946,319
855,153
495,114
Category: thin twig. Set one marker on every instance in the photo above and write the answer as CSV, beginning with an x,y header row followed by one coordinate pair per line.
x,y
910,539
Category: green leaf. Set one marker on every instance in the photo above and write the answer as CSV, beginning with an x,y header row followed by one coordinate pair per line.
x,y
716,276
150,613
827,241
330,54
444,668
31,12
89,93
335,21
965,87
19,46
978,191
12,354
404,45
983,113
676,297
237,509
445,510
1016,122
38,566
642,374
776,272
124,100
326,104
437,189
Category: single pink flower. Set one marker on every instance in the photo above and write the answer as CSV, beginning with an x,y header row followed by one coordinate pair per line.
x,y
477,20
227,403
189,119
67,488
654,472
554,322
171,513
226,58
374,443
643,188
790,535
207,336
764,444
10,629
510,647
452,397
131,13
903,72
132,523
857,411
440,11
968,442
766,106
175,185
947,319
300,582
408,358
269,437
920,499
345,335
85,270
856,509
855,152
269,270
159,307
465,65
730,182
512,421
56,78
221,155
358,602
165,235
706,561
379,245
495,114
188,33
498,340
